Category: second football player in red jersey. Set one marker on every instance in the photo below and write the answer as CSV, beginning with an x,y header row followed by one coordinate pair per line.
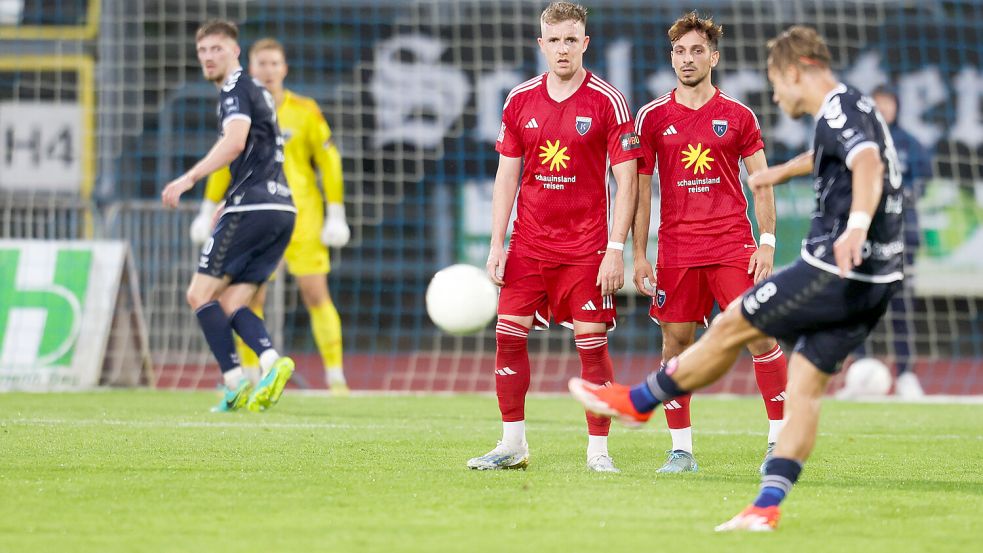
x,y
696,137
559,131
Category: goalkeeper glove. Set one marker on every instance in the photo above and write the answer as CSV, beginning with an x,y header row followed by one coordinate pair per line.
x,y
201,227
335,232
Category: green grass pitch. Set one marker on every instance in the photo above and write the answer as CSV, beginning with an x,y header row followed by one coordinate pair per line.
x,y
154,471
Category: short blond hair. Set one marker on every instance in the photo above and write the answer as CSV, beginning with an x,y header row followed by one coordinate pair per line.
x,y
558,12
217,27
800,46
702,25
267,44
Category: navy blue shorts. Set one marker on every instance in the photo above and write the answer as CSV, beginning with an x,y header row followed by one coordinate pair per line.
x,y
247,246
825,316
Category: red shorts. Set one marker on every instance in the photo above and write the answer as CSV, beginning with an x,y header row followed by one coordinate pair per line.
x,y
686,294
544,289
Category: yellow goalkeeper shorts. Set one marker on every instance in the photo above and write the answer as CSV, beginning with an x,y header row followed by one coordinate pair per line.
x,y
306,255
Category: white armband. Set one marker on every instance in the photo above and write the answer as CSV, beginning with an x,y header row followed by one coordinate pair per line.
x,y
620,246
767,239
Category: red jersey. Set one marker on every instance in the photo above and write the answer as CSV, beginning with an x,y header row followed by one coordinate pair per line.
x,y
703,211
567,147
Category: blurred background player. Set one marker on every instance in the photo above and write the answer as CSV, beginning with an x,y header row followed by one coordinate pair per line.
x,y
916,167
254,227
559,131
696,137
308,144
829,300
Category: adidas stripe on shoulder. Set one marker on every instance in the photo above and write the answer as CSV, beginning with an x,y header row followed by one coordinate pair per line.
x,y
645,110
617,99
523,87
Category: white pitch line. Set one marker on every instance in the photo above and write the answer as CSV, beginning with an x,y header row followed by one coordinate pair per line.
x,y
549,428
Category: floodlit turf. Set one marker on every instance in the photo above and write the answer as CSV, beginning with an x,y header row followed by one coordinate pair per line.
x,y
154,471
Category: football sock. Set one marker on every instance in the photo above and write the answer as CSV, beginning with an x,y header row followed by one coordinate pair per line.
x,y
597,445
336,376
250,328
267,359
514,434
780,475
218,334
774,427
677,412
771,373
657,388
511,369
326,327
596,368
233,377
682,438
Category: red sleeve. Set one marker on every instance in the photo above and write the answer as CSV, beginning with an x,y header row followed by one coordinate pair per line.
x,y
623,142
751,136
509,143
646,163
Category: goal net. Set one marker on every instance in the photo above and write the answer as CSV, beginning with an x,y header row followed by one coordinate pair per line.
x,y
413,93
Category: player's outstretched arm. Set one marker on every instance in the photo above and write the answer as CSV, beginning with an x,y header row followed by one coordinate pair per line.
x,y
798,166
762,262
503,197
868,183
611,275
232,143
640,237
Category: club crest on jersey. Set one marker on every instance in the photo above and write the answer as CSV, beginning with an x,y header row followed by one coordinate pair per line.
x,y
583,125
660,297
720,127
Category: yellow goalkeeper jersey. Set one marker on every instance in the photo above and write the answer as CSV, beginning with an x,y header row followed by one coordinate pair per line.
x,y
307,139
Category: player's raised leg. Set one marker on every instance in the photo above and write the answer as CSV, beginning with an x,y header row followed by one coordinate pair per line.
x,y
248,357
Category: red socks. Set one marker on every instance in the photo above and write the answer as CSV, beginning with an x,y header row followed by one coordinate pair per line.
x,y
596,368
771,373
511,369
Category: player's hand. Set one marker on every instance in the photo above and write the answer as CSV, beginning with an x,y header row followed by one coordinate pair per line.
x,y
762,263
644,277
335,232
201,227
848,249
611,274
495,266
172,192
766,177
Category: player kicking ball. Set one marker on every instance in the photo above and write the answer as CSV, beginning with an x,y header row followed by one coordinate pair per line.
x,y
828,301
254,226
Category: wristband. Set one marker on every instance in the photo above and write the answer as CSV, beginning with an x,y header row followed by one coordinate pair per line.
x,y
620,246
859,220
767,239
336,211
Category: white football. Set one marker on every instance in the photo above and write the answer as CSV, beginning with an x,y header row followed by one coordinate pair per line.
x,y
461,299
868,377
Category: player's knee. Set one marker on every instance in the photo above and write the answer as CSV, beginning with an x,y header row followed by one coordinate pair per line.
x,y
196,298
761,346
729,329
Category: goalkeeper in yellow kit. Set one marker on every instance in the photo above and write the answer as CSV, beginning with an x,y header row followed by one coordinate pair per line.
x,y
320,214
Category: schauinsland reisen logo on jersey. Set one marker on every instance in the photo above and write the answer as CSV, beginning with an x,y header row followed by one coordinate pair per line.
x,y
697,160
554,157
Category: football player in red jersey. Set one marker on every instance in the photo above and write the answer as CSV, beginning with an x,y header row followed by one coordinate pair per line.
x,y
696,136
559,132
